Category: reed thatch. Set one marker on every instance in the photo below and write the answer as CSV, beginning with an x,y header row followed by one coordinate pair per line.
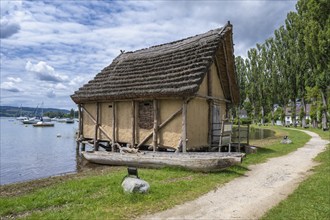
x,y
174,69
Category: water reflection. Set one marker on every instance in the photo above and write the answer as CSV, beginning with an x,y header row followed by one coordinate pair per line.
x,y
260,133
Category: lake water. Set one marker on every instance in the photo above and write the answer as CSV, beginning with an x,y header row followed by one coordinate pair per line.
x,y
260,133
28,152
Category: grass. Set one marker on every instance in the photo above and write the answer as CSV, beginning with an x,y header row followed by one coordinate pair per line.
x,y
323,134
311,200
100,196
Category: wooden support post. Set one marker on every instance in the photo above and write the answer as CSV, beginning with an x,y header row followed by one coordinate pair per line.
x,y
248,134
155,128
96,146
81,128
184,126
113,125
210,120
77,145
210,102
133,123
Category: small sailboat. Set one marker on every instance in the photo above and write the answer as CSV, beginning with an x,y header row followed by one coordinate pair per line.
x,y
20,117
44,121
30,121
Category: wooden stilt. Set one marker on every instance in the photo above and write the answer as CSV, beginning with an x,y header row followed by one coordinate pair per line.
x,y
81,128
155,128
184,126
77,145
210,122
96,146
133,123
113,126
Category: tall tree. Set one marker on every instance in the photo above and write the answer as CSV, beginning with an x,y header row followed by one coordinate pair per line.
x,y
315,16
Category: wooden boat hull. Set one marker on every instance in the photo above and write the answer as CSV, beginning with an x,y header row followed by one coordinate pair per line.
x,y
196,161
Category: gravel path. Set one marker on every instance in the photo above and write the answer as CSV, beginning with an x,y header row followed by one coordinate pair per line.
x,y
250,196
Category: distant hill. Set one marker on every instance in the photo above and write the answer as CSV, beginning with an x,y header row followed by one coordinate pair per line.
x,y
11,111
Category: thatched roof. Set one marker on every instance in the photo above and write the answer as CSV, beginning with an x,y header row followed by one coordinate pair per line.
x,y
174,69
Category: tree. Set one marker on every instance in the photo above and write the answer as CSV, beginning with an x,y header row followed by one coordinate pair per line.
x,y
315,16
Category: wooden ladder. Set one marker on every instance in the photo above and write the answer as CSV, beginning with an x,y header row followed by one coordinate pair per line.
x,y
226,134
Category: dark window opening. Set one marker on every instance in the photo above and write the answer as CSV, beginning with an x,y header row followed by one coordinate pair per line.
x,y
145,115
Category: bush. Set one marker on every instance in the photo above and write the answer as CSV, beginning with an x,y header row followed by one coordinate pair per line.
x,y
243,121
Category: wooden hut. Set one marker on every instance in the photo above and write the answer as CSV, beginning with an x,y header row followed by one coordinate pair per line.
x,y
167,96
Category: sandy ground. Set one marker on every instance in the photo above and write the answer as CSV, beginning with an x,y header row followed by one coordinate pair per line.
x,y
250,196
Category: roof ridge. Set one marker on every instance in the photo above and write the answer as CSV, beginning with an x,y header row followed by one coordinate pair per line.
x,y
207,34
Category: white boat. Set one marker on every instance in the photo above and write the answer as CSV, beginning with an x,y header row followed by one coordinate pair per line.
x,y
62,120
43,124
69,121
21,118
31,121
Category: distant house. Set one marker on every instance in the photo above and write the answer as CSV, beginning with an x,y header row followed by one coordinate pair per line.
x,y
243,113
166,96
289,117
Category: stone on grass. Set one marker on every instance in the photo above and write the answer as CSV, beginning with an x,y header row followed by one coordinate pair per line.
x,y
286,140
131,185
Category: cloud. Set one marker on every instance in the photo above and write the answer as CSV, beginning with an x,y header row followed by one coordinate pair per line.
x,y
7,29
9,86
13,79
51,94
45,72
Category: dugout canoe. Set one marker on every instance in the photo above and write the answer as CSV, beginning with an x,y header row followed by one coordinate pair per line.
x,y
196,161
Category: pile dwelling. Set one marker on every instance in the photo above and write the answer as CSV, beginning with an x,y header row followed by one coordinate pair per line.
x,y
170,97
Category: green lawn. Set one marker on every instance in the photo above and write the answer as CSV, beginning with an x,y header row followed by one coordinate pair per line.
x,y
323,134
100,196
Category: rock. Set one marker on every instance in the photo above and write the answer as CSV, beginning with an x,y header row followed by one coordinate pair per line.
x,y
250,149
131,185
286,140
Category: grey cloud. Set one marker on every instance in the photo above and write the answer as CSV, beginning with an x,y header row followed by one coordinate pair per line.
x,y
8,29
48,77
11,89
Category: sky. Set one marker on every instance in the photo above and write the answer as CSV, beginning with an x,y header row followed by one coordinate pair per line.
x,y
49,49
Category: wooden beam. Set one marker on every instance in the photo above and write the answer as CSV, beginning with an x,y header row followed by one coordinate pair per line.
x,y
209,83
104,132
96,147
212,98
113,125
184,126
210,122
89,115
133,123
160,126
80,134
155,128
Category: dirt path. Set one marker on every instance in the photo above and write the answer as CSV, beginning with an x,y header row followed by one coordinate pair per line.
x,y
249,197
